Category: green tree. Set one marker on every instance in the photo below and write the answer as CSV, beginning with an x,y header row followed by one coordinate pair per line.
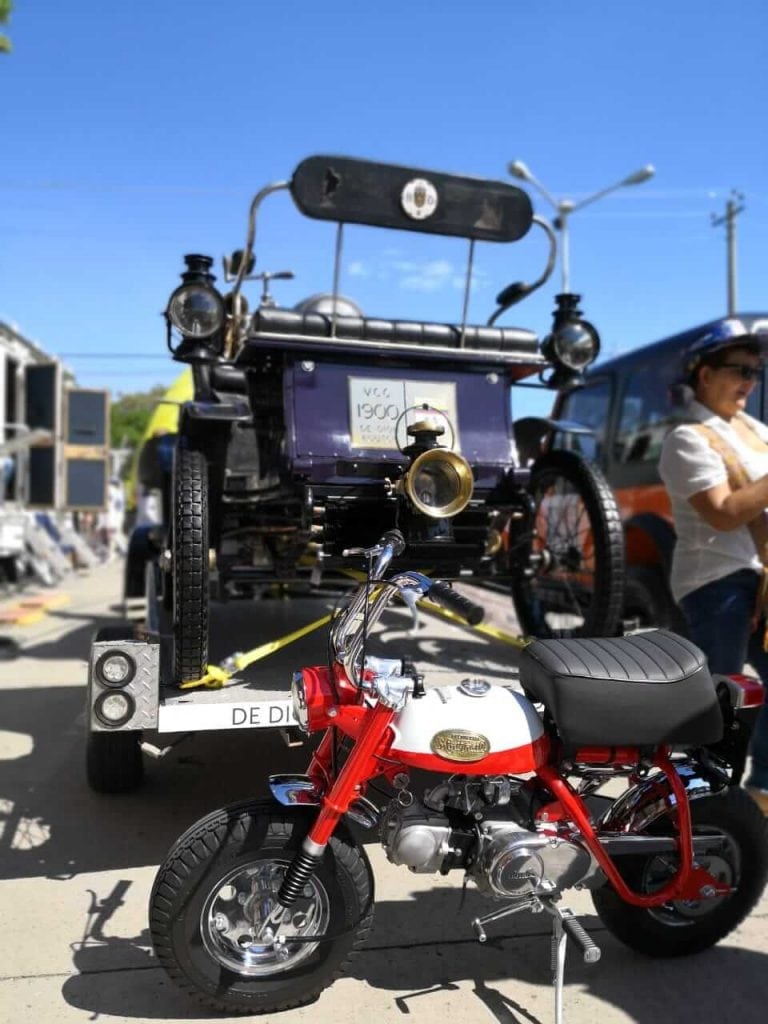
x,y
6,6
130,416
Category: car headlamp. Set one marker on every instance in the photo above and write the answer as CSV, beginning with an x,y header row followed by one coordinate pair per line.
x,y
114,707
115,669
196,310
574,345
439,483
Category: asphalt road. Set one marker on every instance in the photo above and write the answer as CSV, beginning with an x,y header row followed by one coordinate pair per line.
x,y
76,870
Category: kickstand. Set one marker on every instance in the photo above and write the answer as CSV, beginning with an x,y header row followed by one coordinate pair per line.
x,y
564,924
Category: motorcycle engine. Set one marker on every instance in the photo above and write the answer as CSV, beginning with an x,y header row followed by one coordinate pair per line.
x,y
481,825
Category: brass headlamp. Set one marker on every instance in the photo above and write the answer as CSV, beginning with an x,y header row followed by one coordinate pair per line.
x,y
438,483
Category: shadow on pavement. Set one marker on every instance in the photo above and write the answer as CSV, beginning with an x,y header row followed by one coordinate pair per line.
x,y
52,824
119,977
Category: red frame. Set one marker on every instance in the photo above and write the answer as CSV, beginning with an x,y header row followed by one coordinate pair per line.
x,y
343,706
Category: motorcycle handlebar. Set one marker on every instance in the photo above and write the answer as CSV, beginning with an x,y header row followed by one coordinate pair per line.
x,y
449,599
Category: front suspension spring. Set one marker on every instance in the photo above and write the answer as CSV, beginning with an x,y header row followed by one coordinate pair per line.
x,y
300,870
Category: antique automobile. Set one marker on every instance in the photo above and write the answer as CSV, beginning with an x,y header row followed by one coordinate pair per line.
x,y
313,430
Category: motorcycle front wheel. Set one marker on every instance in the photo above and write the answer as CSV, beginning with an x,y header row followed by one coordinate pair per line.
x,y
568,569
738,857
213,896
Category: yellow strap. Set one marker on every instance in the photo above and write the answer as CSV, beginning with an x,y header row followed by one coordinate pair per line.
x,y
215,676
244,660
213,679
497,634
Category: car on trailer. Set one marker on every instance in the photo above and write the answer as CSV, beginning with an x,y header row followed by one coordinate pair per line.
x,y
312,431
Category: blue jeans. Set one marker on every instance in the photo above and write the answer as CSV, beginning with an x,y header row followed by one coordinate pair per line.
x,y
718,616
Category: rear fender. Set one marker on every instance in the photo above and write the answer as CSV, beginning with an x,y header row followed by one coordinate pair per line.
x,y
651,799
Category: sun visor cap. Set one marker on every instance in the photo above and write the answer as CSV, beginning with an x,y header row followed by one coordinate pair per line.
x,y
725,334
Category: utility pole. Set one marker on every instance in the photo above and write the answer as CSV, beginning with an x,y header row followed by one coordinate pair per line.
x,y
733,207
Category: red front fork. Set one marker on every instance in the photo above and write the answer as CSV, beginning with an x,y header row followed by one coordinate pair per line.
x,y
688,881
358,768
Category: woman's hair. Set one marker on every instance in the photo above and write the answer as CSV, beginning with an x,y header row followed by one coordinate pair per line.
x,y
719,356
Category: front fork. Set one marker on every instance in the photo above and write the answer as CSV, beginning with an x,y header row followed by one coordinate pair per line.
x,y
358,768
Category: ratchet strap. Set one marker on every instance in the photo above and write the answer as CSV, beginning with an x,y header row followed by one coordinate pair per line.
x,y
217,675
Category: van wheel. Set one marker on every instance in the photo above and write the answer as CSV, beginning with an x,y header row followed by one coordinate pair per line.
x,y
189,545
648,601
568,566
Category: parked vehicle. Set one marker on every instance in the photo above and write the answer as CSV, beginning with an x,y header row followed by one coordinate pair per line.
x,y
260,905
313,431
628,404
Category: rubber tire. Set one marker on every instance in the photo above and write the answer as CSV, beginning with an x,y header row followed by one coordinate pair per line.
x,y
189,544
114,762
648,601
603,615
733,812
242,833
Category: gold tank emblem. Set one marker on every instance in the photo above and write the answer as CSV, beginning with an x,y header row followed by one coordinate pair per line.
x,y
460,745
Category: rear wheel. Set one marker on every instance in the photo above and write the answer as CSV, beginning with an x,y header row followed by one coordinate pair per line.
x,y
738,857
211,907
648,601
568,570
189,545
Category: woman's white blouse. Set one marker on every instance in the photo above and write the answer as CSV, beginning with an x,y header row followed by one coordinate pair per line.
x,y
689,465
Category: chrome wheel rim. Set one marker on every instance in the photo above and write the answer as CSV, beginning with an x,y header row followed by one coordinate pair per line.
x,y
244,930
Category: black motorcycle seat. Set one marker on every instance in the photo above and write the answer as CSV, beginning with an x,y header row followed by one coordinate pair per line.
x,y
639,690
354,328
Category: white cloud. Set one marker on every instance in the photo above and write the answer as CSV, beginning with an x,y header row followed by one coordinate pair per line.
x,y
358,269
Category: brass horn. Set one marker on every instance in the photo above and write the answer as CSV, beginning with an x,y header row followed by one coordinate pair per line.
x,y
438,483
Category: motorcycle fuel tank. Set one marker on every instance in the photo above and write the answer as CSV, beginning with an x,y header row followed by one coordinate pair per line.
x,y
473,728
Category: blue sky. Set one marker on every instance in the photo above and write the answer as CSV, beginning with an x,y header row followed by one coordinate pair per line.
x,y
133,133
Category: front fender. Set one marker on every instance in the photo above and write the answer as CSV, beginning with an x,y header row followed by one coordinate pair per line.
x,y
652,798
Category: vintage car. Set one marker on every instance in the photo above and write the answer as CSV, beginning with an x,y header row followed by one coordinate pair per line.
x,y
315,429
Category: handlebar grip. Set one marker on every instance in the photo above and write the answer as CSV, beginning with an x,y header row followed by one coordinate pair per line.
x,y
448,598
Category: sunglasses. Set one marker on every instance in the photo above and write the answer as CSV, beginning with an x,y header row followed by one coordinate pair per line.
x,y
744,370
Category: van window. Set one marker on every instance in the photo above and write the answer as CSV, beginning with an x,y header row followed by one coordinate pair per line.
x,y
589,407
648,410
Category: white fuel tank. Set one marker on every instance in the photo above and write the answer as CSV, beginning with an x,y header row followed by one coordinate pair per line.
x,y
473,727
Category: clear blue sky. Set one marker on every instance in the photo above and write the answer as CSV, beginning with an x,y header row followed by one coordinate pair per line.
x,y
135,132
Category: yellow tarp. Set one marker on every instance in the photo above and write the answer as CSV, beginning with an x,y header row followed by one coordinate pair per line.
x,y
164,420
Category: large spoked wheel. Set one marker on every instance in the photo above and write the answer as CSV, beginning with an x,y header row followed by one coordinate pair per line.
x,y
189,546
213,911
738,856
568,571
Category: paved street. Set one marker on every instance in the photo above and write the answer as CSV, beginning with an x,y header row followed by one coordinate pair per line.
x,y
76,871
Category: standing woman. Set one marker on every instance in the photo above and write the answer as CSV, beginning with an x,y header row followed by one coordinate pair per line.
x,y
715,467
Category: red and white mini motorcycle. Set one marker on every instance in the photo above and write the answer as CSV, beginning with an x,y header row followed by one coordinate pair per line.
x,y
259,906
